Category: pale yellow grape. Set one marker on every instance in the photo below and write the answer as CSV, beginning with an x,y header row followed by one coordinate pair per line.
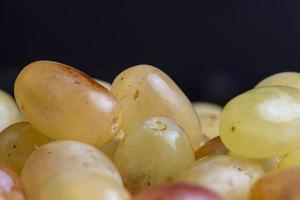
x,y
280,184
145,91
60,156
64,103
263,122
291,79
153,152
17,142
231,177
80,185
105,84
291,159
209,115
9,111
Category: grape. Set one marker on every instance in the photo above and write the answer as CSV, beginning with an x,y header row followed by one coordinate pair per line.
x,y
64,103
104,84
80,185
153,152
17,142
269,164
292,159
213,146
111,147
263,122
9,112
178,191
62,156
229,176
291,79
10,185
209,115
281,184
145,91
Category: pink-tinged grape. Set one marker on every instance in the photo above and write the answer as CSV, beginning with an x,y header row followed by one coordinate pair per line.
x,y
62,156
64,103
209,115
9,111
214,146
17,142
145,91
280,184
10,185
291,79
153,152
80,185
178,191
262,123
229,176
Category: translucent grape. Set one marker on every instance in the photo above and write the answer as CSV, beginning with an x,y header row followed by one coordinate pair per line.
x,y
281,184
9,112
145,91
62,156
263,122
64,103
153,152
17,142
231,177
291,79
80,185
10,185
178,191
209,115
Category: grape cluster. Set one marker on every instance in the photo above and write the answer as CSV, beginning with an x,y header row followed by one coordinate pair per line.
x,y
71,137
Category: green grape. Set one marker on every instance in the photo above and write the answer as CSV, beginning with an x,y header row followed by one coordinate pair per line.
x,y
263,122
17,142
9,112
10,185
291,159
280,184
145,91
229,176
62,156
209,115
153,152
80,185
65,104
291,79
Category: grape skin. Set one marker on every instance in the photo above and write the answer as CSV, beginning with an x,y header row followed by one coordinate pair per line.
x,y
291,79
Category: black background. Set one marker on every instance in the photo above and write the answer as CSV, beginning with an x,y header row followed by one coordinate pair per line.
x,y
213,49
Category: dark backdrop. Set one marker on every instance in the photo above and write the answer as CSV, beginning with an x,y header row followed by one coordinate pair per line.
x,y
213,49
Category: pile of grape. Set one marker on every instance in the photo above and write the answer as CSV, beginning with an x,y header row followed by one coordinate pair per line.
x,y
71,137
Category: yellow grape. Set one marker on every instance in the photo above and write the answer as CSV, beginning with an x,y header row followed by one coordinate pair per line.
x,y
17,142
291,159
153,152
64,103
62,156
291,79
209,115
280,184
10,185
9,111
105,84
145,91
263,122
212,147
229,176
80,185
